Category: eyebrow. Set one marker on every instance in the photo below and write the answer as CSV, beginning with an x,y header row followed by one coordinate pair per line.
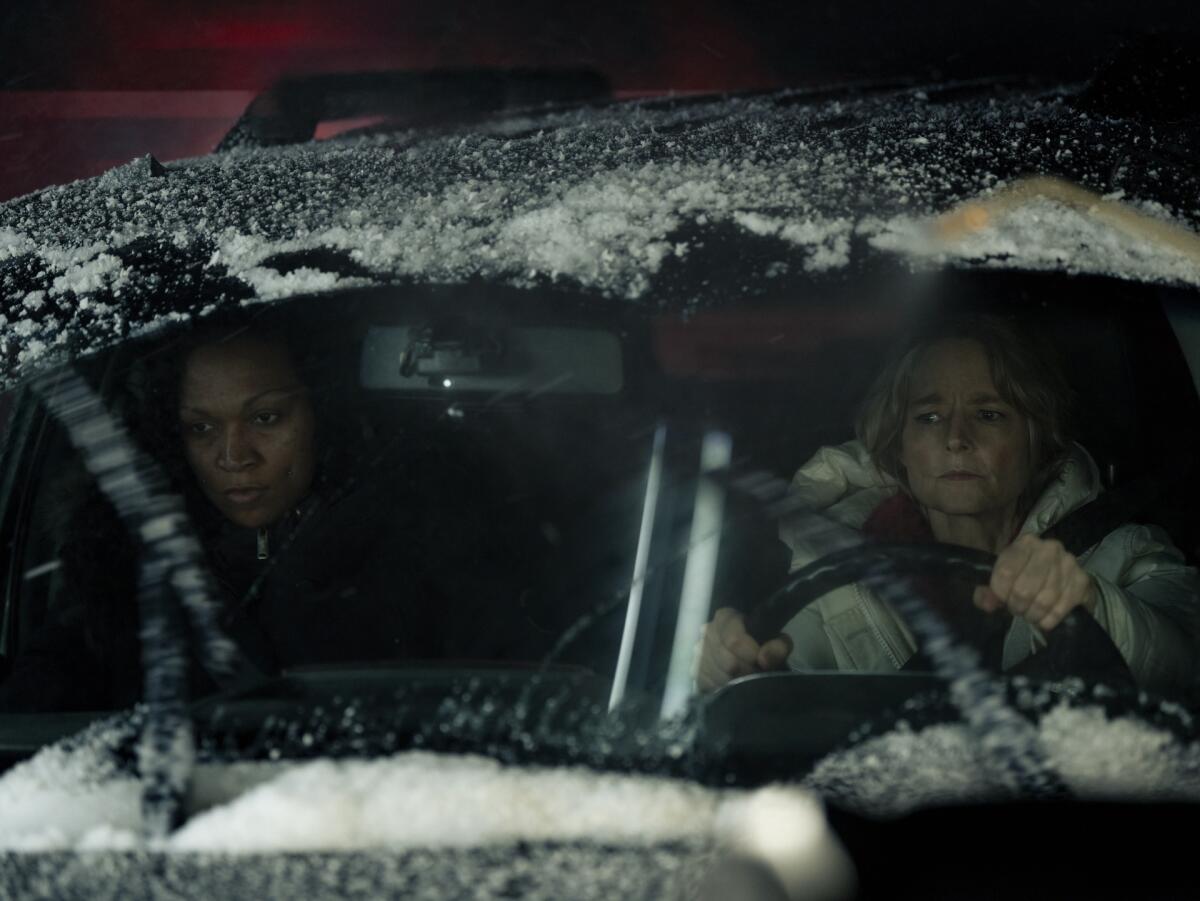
x,y
934,397
250,401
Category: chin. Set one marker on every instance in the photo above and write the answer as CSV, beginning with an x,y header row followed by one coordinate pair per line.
x,y
958,509
961,506
249,519
955,506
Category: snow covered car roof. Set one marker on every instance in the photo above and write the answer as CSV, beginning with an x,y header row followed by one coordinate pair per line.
x,y
622,201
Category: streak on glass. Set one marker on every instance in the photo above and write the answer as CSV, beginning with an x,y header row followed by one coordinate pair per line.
x,y
704,543
640,563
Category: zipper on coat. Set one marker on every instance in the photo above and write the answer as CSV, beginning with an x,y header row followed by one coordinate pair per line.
x,y
264,549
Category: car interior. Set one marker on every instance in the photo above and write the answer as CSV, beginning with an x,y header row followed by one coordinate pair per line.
x,y
560,468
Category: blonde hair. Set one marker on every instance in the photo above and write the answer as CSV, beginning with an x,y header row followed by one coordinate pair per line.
x,y
1024,374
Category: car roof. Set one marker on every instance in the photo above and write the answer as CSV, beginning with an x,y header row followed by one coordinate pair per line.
x,y
690,197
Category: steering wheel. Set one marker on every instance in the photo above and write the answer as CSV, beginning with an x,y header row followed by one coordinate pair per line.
x,y
1077,646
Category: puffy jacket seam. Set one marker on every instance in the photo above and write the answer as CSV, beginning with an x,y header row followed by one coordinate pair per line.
x,y
865,603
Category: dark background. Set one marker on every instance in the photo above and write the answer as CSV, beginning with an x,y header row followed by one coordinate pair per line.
x,y
89,84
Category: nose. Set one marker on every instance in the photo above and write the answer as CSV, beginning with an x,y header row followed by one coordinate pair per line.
x,y
958,433
237,451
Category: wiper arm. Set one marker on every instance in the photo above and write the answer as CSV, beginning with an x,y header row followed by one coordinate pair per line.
x,y
975,215
176,598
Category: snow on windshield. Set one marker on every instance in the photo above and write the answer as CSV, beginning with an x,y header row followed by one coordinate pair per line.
x,y
73,795
1096,756
421,799
71,790
1047,235
599,200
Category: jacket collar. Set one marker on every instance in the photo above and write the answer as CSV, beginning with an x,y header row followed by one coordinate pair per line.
x,y
1076,483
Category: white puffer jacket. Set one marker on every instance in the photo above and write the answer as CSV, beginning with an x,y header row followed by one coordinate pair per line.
x,y
1149,598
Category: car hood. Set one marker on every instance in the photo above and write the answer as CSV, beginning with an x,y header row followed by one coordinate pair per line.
x,y
687,200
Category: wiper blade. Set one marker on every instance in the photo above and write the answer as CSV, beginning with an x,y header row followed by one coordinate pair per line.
x,y
176,597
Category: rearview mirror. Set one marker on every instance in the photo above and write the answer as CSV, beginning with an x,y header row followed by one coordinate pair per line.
x,y
519,359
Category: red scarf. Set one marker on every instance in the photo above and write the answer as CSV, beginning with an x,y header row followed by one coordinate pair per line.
x,y
898,519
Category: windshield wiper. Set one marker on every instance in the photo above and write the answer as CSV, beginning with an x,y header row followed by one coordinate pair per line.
x,y
175,589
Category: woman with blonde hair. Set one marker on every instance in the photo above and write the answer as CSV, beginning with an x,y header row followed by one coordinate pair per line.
x,y
963,440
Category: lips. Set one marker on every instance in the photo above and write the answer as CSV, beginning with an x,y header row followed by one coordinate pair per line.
x,y
960,475
241,497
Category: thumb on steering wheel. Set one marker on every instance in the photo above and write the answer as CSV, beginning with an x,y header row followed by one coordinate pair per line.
x,y
774,653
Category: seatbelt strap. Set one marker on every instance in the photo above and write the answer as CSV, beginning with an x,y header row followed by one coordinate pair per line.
x,y
1086,526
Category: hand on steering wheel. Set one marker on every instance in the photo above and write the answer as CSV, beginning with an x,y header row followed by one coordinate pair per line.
x,y
1076,645
726,651
1038,580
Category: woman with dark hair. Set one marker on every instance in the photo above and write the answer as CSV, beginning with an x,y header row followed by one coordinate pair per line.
x,y
963,440
322,552
320,561
330,547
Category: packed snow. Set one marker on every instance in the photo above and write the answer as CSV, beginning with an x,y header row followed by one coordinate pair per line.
x,y
1096,756
70,793
425,800
74,796
603,200
1040,234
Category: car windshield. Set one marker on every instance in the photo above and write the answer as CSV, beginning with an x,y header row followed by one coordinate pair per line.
x,y
797,465
468,478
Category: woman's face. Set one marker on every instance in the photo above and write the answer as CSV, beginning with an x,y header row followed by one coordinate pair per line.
x,y
965,450
248,428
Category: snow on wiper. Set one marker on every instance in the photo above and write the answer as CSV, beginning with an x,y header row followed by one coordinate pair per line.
x,y
173,583
1045,222
976,215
